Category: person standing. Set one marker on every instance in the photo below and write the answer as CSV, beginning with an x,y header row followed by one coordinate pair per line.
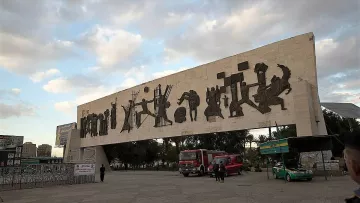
x,y
216,171
222,170
102,172
352,160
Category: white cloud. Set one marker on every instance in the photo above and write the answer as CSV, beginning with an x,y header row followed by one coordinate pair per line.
x,y
137,72
167,72
127,83
163,73
9,94
88,89
11,104
17,110
74,83
127,17
334,56
59,85
16,91
84,96
174,18
172,56
95,68
336,96
233,32
238,26
66,107
41,75
111,46
24,55
325,46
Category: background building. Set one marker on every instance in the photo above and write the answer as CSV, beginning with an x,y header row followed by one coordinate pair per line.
x,y
10,150
29,150
44,150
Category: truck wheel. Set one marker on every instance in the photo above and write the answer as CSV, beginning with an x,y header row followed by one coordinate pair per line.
x,y
239,172
185,174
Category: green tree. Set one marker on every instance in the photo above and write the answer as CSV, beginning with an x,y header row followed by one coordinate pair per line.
x,y
250,139
336,124
284,132
261,139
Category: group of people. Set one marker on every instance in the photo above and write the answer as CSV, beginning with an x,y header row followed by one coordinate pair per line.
x,y
219,171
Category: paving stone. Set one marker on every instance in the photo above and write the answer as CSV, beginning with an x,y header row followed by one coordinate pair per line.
x,y
171,187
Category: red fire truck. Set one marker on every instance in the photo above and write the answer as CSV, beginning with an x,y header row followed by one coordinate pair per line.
x,y
196,161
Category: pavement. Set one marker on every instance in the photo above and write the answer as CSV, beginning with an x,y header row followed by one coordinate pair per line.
x,y
171,187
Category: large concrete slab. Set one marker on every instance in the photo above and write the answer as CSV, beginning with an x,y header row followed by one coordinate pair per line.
x,y
270,72
170,187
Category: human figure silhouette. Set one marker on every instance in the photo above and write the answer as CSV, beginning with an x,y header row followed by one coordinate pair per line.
x,y
145,110
127,111
213,101
194,101
113,115
162,105
245,89
102,172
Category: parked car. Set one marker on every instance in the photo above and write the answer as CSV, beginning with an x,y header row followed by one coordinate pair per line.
x,y
290,173
233,164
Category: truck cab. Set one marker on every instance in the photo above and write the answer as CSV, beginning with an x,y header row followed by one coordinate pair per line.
x,y
196,161
233,164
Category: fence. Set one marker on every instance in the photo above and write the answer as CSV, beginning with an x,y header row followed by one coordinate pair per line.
x,y
41,175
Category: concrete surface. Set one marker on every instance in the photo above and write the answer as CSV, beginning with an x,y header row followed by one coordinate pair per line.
x,y
159,187
302,103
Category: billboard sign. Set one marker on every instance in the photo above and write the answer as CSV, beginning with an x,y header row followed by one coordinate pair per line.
x,y
9,141
63,132
274,147
84,169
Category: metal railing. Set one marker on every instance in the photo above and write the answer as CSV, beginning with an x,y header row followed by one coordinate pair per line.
x,y
41,175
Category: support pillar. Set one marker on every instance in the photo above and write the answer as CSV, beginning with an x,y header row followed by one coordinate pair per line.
x,y
309,120
101,159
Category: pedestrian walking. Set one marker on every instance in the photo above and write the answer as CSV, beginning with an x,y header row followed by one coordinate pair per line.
x,y
102,172
216,171
222,171
352,160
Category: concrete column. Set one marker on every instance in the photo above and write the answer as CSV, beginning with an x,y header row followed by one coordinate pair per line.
x,y
101,159
72,145
81,154
308,119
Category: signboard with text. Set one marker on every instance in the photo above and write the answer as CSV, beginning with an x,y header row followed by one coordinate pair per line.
x,y
84,169
274,147
10,150
10,141
63,132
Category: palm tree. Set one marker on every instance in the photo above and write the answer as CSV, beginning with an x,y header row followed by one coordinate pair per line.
x,y
262,139
250,139
177,141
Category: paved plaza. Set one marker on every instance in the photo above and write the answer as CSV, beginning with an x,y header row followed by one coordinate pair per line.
x,y
159,187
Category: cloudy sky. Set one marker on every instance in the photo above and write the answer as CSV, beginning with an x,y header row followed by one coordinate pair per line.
x,y
55,55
